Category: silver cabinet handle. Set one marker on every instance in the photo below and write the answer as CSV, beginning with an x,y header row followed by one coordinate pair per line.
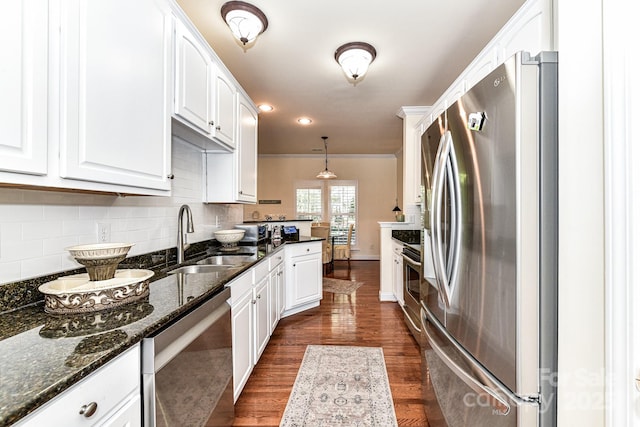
x,y
253,301
259,296
171,176
211,123
217,127
89,409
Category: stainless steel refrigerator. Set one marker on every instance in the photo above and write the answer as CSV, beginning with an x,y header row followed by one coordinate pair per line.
x,y
489,280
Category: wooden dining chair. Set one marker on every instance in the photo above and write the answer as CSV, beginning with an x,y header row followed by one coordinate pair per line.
x,y
343,252
318,231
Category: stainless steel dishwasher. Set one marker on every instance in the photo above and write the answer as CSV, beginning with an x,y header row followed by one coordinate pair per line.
x,y
187,369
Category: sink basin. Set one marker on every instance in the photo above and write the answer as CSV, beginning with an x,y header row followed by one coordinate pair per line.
x,y
196,269
227,260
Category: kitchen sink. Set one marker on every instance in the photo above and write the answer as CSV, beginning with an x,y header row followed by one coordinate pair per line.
x,y
194,269
227,260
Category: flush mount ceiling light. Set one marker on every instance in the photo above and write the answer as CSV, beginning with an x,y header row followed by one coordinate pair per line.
x,y
265,107
304,121
355,58
245,20
326,173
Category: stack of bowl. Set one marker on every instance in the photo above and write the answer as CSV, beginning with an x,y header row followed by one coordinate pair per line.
x,y
100,259
229,238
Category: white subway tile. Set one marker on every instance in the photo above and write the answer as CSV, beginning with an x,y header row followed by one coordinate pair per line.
x,y
19,250
41,230
10,272
42,266
57,212
58,245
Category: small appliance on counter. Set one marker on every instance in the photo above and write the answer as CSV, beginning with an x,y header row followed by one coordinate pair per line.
x,y
253,233
290,233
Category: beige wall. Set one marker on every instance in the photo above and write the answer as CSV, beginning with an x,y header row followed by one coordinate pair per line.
x,y
377,184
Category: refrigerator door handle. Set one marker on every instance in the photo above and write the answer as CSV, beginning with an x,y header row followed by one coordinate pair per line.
x,y
456,217
496,401
445,168
435,216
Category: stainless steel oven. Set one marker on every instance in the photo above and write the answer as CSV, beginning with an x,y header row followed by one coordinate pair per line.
x,y
187,369
411,271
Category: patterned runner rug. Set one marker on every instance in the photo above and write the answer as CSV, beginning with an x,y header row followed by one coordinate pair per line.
x,y
339,286
340,386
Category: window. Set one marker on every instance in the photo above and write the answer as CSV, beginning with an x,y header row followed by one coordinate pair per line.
x,y
309,203
335,202
342,211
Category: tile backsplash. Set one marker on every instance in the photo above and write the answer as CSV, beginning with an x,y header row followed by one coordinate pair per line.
x,y
37,226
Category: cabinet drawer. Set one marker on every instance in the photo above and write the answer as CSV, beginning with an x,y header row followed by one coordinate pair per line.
x,y
107,388
240,286
276,259
261,270
304,248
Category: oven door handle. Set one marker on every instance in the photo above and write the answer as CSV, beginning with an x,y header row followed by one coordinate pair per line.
x,y
410,261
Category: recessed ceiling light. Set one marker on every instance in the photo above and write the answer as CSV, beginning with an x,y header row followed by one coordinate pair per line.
x,y
265,107
304,121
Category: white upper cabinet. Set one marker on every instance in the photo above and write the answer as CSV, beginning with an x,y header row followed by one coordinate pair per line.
x,y
204,96
23,84
248,147
224,122
115,90
232,177
192,80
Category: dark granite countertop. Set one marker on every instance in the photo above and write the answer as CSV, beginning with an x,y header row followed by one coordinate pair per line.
x,y
43,354
406,236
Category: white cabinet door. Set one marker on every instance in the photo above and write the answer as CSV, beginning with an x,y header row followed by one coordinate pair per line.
x,y
274,299
262,323
304,274
242,341
224,110
248,151
192,80
23,85
115,88
281,289
232,177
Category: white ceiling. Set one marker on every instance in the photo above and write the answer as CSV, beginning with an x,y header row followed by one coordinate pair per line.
x,y
422,46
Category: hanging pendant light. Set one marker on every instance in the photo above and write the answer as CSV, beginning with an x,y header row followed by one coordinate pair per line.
x,y
355,58
326,173
245,20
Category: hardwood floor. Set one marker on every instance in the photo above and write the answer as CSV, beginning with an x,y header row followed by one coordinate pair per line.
x,y
356,319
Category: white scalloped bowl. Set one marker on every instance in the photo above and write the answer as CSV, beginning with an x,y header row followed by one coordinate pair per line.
x,y
100,259
99,250
229,236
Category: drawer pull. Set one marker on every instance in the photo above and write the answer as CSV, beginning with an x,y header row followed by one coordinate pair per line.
x,y
89,410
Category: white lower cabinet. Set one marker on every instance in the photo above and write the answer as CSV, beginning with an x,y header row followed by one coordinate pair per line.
x,y
303,286
259,297
242,326
276,289
262,324
110,396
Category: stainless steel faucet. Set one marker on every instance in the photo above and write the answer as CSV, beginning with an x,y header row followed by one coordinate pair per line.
x,y
182,236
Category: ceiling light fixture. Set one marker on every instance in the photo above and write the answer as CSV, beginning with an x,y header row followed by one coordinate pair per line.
x,y
304,121
245,20
355,58
326,173
265,107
